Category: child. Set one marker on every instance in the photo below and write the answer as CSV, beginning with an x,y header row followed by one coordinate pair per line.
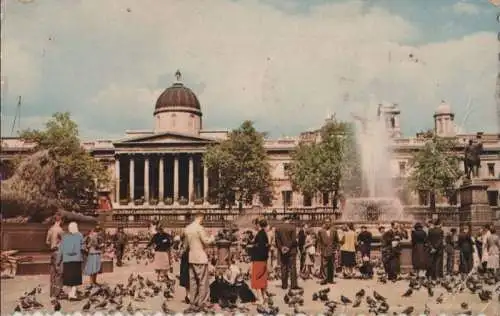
x,y
366,268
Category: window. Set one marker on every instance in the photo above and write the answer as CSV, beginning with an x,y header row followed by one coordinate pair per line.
x,y
491,169
307,200
287,198
173,119
402,168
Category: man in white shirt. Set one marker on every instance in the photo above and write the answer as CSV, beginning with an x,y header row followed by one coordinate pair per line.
x,y
197,240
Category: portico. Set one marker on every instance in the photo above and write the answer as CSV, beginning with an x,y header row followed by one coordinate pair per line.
x,y
161,178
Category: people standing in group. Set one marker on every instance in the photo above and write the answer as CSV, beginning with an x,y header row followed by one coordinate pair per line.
x,y
436,251
328,241
348,250
93,245
419,250
465,246
450,242
162,242
493,248
286,244
197,239
301,241
184,268
53,240
71,249
120,240
260,256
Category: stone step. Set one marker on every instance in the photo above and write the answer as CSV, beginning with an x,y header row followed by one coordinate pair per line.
x,y
40,265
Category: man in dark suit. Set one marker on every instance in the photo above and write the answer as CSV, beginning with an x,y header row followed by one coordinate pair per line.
x,y
286,243
436,250
328,241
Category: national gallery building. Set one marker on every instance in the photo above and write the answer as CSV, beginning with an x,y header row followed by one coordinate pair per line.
x,y
161,168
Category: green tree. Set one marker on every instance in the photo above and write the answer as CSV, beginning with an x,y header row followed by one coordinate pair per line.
x,y
241,164
61,174
435,168
327,165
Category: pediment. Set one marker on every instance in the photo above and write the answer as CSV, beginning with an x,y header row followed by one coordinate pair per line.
x,y
166,138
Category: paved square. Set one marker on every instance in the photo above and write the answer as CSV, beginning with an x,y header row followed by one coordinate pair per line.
x,y
12,289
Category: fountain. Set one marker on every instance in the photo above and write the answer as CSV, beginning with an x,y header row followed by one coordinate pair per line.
x,y
378,203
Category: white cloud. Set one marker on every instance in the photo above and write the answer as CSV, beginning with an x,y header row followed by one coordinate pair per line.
x,y
245,60
463,7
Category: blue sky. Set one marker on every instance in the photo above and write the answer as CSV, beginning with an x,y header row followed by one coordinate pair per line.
x,y
283,64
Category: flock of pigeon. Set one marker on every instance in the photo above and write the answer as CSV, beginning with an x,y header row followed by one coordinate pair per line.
x,y
127,297
110,299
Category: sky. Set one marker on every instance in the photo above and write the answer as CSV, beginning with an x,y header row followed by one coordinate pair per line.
x,y
286,65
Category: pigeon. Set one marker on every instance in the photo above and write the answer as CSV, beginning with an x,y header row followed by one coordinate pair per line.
x,y
86,306
440,298
360,293
17,309
485,295
408,293
430,291
408,311
57,305
345,300
427,310
464,305
378,297
383,308
357,302
165,308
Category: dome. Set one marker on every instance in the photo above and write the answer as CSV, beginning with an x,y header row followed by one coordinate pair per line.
x,y
443,108
177,96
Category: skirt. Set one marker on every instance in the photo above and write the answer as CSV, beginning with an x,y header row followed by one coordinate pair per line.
x,y
92,264
162,261
72,273
259,275
493,261
348,259
184,270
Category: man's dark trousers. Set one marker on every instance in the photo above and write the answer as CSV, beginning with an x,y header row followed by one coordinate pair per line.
x,y
328,268
288,270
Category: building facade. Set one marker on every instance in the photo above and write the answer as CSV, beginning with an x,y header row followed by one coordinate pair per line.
x,y
162,168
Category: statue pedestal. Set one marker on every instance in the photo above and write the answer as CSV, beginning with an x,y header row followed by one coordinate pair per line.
x,y
223,254
474,207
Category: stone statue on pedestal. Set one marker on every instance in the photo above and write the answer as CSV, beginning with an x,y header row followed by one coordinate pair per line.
x,y
472,158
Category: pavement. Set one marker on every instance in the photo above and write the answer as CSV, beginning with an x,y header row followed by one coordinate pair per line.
x,y
12,289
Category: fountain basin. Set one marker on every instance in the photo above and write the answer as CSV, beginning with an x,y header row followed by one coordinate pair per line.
x,y
373,210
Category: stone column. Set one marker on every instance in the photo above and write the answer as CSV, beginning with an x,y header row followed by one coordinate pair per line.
x,y
132,179
191,180
176,179
117,180
146,180
161,189
205,185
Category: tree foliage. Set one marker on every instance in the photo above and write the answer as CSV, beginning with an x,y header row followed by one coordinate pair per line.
x,y
242,165
435,168
61,174
327,165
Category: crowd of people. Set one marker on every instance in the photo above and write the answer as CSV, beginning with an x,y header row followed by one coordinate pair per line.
x,y
281,248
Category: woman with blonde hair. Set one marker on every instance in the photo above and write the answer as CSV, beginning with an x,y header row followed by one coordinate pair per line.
x,y
71,251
